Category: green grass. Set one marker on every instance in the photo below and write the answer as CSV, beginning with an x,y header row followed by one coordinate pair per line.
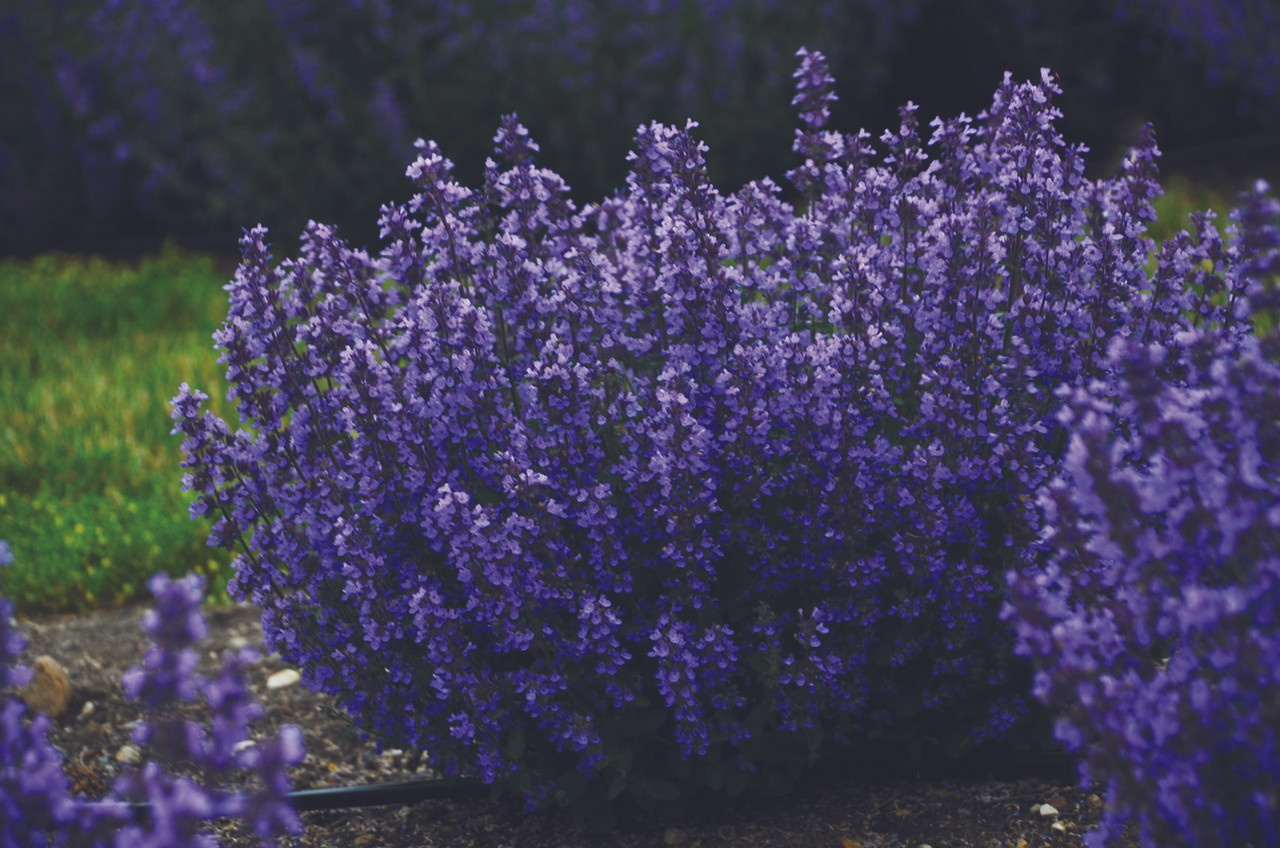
x,y
90,354
90,485
1182,197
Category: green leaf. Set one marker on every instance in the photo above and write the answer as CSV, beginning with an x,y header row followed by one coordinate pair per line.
x,y
622,759
515,745
735,782
571,785
650,720
663,790
716,775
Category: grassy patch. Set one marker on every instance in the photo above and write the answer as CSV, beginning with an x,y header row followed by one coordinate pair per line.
x,y
90,486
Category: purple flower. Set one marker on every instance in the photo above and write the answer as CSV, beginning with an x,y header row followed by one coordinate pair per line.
x,y
36,806
1154,623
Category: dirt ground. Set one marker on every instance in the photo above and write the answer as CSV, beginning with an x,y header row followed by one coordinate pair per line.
x,y
874,809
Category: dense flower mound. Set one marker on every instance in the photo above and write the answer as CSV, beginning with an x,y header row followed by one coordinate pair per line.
x,y
185,782
678,486
1156,625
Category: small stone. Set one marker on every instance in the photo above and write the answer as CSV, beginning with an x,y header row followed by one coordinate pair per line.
x,y
1058,826
129,755
1093,800
242,745
49,691
238,642
1058,801
1048,810
284,678
86,709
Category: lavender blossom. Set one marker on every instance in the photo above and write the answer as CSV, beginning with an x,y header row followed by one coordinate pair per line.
x,y
1153,625
181,803
35,796
36,805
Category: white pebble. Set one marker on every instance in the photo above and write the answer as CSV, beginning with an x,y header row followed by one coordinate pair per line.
x,y
86,710
129,754
1048,810
281,679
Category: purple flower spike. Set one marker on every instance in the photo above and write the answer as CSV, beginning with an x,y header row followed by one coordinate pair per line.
x,y
1155,623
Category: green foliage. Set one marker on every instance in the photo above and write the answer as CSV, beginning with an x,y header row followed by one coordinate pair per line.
x,y
89,480
1182,197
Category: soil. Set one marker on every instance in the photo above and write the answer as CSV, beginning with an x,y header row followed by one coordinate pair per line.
x,y
874,809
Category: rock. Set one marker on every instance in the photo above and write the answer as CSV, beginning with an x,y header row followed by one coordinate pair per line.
x,y
284,678
1094,800
49,691
1048,810
129,754
1058,801
86,709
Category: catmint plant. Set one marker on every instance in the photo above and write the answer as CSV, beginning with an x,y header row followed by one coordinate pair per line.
x,y
678,488
285,109
181,803
1236,41
1153,625
36,804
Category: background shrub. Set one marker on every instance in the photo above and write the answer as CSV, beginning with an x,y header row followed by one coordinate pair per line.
x,y
673,490
1154,624
280,111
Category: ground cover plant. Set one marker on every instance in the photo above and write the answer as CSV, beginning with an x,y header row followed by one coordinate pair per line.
x,y
1154,624
88,350
673,490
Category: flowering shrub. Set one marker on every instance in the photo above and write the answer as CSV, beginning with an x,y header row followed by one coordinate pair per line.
x,y
35,799
667,490
281,110
1154,626
1239,40
288,108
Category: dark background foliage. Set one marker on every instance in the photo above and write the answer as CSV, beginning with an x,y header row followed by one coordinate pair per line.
x,y
126,122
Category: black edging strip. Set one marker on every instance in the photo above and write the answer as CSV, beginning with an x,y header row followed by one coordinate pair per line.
x,y
381,794
368,795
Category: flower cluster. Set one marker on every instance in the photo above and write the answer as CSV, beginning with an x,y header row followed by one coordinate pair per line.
x,y
35,798
680,483
180,803
34,793
1154,626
